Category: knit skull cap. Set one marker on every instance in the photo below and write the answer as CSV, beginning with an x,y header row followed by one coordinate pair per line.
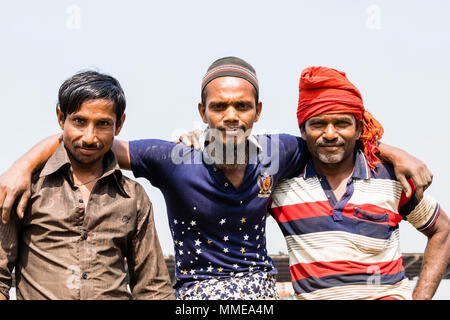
x,y
231,67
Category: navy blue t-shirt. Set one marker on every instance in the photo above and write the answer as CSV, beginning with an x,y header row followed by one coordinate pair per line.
x,y
218,231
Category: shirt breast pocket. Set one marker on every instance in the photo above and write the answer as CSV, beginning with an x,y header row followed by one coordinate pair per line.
x,y
374,217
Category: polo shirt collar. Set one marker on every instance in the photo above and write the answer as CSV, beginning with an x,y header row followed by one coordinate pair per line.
x,y
361,169
60,161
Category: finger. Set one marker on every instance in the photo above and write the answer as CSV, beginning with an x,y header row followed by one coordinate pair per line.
x,y
2,199
23,204
419,193
187,140
196,143
197,134
420,185
7,205
428,179
405,184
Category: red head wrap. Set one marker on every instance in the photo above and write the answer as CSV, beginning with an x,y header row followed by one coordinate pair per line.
x,y
325,91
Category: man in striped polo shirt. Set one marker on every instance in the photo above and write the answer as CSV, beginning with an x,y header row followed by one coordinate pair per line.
x,y
340,216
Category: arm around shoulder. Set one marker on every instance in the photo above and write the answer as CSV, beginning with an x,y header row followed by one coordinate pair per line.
x,y
16,181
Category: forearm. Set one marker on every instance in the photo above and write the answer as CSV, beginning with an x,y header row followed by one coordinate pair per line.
x,y
389,153
435,261
122,152
38,155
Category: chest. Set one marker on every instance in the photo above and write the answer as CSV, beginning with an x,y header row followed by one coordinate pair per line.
x,y
59,209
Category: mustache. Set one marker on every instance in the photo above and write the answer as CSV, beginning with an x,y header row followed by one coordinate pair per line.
x,y
223,128
91,146
330,144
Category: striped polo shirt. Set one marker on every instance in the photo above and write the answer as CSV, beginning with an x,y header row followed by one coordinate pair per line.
x,y
348,249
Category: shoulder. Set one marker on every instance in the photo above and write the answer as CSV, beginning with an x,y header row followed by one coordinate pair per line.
x,y
383,170
150,145
283,140
134,189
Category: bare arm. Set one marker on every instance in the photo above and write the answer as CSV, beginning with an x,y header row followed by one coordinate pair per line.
x,y
122,151
435,259
16,181
407,167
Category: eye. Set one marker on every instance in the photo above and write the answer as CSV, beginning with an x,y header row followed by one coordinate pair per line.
x,y
242,106
217,106
79,120
342,124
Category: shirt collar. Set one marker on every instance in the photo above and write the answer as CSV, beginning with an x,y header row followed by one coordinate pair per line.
x,y
251,139
360,171
60,160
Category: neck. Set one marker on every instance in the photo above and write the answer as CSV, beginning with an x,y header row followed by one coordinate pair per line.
x,y
232,158
83,172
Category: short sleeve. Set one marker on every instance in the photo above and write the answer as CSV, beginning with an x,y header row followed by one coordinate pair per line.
x,y
152,159
424,215
294,155
421,214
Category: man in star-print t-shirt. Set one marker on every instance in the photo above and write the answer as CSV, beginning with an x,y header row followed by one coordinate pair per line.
x,y
218,230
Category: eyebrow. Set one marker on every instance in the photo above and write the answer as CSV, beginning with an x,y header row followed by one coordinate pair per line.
x,y
219,103
342,119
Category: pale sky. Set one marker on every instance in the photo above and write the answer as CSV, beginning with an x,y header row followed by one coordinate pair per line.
x,y
395,52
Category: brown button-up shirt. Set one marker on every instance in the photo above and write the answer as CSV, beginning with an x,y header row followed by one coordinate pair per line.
x,y
66,249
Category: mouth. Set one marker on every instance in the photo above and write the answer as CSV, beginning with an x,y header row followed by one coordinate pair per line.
x,y
330,148
88,151
232,131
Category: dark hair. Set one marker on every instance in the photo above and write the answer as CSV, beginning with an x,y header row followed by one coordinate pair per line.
x,y
89,85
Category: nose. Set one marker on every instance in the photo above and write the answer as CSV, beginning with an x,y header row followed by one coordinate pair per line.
x,y
230,114
89,136
330,132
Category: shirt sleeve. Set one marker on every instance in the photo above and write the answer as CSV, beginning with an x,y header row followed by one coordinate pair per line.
x,y
149,276
294,155
421,214
153,159
8,253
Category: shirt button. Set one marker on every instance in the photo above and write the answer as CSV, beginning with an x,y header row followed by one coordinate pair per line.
x,y
84,276
215,169
240,202
84,236
80,201
226,184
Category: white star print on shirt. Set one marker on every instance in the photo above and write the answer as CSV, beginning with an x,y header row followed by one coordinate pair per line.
x,y
222,221
198,242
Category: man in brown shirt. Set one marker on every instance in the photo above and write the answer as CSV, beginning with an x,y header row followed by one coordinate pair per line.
x,y
86,223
